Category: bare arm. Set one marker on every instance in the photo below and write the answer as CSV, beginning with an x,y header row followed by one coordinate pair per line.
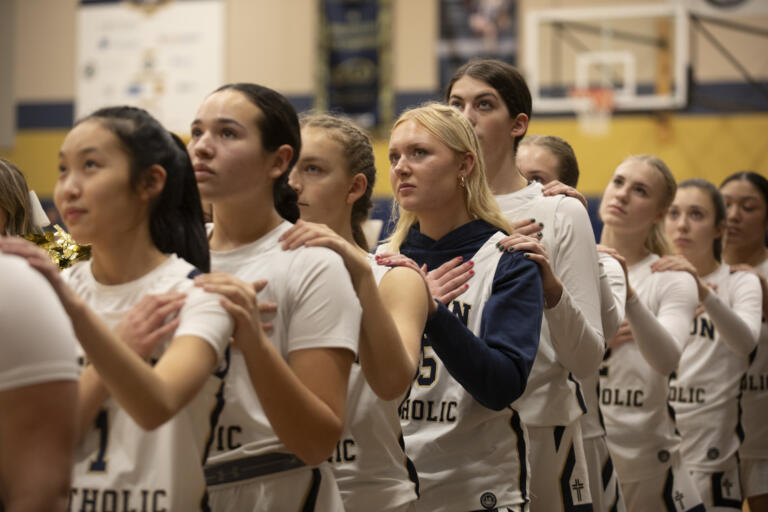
x,y
304,397
150,395
37,437
392,326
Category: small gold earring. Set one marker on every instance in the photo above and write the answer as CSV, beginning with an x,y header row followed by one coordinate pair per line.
x,y
462,181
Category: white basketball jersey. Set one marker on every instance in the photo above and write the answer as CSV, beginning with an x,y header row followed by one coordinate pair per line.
x,y
754,395
467,456
119,465
552,396
316,308
705,392
369,463
613,293
633,396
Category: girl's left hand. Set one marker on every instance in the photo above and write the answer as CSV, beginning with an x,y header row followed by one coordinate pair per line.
x,y
311,234
38,259
401,260
555,187
240,300
536,252
680,264
622,336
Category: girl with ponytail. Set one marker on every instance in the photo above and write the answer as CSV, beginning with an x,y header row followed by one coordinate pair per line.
x,y
634,383
284,404
126,186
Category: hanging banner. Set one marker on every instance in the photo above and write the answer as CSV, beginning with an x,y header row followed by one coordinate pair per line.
x,y
475,28
161,55
354,49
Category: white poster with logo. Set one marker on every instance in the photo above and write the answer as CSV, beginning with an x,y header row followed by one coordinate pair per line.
x,y
161,55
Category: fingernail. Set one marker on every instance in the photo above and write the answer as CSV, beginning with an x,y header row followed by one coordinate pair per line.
x,y
541,224
471,272
501,247
533,220
526,255
511,248
466,286
460,258
471,263
538,234
498,244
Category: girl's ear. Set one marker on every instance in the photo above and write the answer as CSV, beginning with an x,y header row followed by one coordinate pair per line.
x,y
466,164
357,188
280,161
520,126
152,182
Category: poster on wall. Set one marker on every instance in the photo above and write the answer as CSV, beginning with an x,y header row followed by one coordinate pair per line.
x,y
161,55
354,52
475,28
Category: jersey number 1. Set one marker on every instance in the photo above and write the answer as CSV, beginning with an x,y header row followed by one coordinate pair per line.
x,y
99,464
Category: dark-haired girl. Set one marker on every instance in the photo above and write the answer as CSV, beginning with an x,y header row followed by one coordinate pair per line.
x,y
334,180
126,186
494,97
285,396
746,200
705,390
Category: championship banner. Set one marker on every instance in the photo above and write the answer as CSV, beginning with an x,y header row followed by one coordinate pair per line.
x,y
475,28
354,60
161,55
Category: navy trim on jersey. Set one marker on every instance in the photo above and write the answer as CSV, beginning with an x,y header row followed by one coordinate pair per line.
x,y
413,475
558,432
565,484
493,366
522,450
213,419
607,472
194,273
579,396
314,489
718,500
739,427
669,500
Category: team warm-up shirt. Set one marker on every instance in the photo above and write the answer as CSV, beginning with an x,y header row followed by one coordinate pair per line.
x,y
369,463
38,342
468,444
119,465
754,395
613,295
705,392
571,335
316,308
633,396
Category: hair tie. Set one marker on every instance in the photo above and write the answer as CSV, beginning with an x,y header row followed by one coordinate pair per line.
x,y
39,217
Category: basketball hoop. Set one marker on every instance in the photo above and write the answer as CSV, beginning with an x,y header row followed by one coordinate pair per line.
x,y
595,109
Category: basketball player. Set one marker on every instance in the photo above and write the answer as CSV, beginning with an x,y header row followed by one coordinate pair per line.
x,y
495,98
705,390
126,186
746,199
285,395
646,350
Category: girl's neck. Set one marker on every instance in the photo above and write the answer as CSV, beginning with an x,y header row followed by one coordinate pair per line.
x,y
629,245
504,177
436,225
125,258
750,255
239,223
704,261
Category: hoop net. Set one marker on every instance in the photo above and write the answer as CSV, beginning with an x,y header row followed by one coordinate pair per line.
x,y
596,106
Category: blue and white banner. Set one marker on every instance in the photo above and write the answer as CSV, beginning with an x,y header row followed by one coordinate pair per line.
x,y
162,55
352,38
475,28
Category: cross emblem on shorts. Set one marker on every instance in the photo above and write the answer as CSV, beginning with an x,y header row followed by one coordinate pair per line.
x,y
577,486
679,499
727,484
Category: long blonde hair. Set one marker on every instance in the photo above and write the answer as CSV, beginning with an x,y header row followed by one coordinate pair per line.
x,y
656,241
455,131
